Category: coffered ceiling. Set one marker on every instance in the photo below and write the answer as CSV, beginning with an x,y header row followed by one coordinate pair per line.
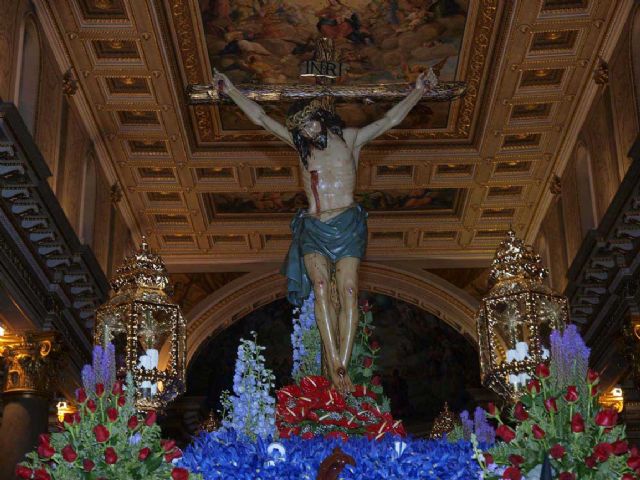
x,y
207,188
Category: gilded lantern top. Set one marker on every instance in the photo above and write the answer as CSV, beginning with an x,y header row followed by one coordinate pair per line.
x,y
514,260
143,269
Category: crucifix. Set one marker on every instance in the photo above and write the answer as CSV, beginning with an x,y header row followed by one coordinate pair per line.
x,y
329,237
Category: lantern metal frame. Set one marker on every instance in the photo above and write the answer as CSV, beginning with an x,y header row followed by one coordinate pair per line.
x,y
511,318
140,309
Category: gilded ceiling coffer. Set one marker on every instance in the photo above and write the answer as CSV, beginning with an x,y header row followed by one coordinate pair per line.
x,y
30,359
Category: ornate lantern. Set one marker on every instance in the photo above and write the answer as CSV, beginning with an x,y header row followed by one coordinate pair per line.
x,y
147,329
516,318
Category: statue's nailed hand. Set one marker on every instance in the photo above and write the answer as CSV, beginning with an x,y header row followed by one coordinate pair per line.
x,y
426,80
221,81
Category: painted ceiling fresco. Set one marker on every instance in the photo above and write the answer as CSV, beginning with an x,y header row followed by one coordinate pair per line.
x,y
423,362
383,41
427,200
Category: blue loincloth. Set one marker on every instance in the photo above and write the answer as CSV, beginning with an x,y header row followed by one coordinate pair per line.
x,y
344,235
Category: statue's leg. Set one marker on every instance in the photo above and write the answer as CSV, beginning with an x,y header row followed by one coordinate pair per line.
x,y
319,271
347,284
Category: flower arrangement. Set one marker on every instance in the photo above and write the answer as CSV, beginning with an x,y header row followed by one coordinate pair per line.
x,y
222,455
559,419
250,411
305,340
105,437
477,426
312,408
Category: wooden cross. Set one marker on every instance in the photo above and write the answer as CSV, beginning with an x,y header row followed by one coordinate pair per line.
x,y
325,67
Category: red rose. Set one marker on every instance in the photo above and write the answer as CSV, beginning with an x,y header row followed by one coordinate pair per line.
x,y
46,451
488,458
144,453
633,462
365,306
594,390
150,419
167,444
602,451
505,433
179,474
620,447
367,362
172,455
81,395
117,388
542,371
41,474
375,345
512,473
99,389
577,423
538,433
101,432
133,422
23,472
534,386
122,400
110,456
376,380
590,461
44,439
307,435
491,409
572,394
69,418
112,414
69,454
550,405
627,476
607,417
516,460
520,413
91,406
566,476
592,377
88,465
557,451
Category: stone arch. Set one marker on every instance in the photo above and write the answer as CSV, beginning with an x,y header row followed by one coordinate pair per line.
x,y
29,69
249,292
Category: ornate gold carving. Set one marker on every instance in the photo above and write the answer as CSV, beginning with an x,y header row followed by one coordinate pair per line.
x,y
29,362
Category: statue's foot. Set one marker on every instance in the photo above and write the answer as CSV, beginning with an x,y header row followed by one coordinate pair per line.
x,y
342,382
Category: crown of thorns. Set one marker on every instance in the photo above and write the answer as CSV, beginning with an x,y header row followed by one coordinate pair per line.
x,y
299,118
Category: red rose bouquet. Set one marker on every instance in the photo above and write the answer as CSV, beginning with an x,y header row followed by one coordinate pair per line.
x,y
104,438
559,417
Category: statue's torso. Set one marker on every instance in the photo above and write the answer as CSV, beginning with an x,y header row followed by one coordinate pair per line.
x,y
330,179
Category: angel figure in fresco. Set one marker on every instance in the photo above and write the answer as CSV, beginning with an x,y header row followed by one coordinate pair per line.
x,y
337,20
331,235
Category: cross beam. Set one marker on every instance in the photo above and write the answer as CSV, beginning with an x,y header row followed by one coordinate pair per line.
x,y
208,93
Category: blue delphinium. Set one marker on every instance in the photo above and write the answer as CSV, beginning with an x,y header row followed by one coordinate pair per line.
x,y
250,411
569,357
478,426
219,455
485,433
102,370
305,340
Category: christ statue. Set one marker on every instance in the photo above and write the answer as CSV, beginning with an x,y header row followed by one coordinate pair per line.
x,y
331,234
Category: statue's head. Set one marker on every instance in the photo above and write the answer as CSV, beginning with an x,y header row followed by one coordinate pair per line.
x,y
308,122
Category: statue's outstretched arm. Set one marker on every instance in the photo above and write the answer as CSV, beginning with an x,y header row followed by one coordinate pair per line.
x,y
393,117
251,109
